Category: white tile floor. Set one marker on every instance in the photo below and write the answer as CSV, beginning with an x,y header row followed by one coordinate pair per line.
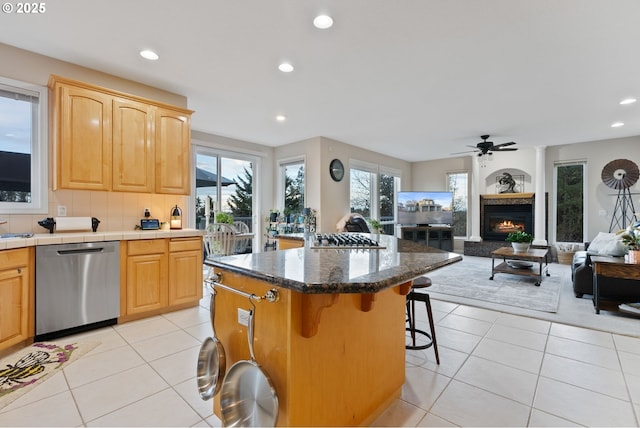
x,y
496,369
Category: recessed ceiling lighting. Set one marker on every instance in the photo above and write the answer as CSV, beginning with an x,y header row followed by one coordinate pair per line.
x,y
281,118
149,54
285,67
628,101
617,124
323,22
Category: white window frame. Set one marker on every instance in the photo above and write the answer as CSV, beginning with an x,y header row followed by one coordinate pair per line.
x,y
585,194
376,170
462,171
202,147
282,163
39,152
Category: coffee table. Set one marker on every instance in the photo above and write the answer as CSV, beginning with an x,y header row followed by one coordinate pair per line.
x,y
517,263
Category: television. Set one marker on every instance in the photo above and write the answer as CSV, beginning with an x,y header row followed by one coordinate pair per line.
x,y
425,208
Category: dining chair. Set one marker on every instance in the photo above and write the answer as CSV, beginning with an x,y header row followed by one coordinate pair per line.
x,y
242,243
219,240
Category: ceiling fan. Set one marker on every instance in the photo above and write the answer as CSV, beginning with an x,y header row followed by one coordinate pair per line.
x,y
487,147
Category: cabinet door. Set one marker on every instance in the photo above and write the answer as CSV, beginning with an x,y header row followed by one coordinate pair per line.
x,y
146,283
133,156
185,277
172,151
82,138
14,306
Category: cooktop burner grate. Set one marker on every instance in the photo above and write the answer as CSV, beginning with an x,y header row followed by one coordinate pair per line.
x,y
345,241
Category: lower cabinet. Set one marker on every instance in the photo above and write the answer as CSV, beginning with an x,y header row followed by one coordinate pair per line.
x,y
159,275
16,296
185,271
285,244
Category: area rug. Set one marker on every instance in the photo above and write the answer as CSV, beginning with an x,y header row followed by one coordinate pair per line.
x,y
31,366
470,279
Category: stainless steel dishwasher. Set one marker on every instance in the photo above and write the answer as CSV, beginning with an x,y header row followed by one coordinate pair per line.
x,y
77,287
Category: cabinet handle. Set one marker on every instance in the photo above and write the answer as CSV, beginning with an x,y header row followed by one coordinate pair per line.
x,y
19,270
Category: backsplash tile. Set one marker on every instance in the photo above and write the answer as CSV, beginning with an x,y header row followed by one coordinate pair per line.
x,y
117,211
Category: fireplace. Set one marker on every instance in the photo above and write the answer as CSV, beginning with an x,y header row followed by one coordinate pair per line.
x,y
500,220
507,212
501,213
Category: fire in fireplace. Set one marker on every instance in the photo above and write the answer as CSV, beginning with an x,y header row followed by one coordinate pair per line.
x,y
500,220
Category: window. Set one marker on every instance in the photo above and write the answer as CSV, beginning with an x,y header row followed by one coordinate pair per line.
x,y
361,199
457,182
372,194
569,206
223,184
294,183
389,183
23,148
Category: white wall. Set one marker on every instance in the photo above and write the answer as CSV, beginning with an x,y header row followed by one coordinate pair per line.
x,y
599,196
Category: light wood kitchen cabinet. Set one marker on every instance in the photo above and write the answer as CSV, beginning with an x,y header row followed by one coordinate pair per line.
x,y
108,140
133,154
82,148
146,276
16,297
173,142
159,275
185,270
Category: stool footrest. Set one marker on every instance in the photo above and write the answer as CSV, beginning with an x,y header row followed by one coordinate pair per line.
x,y
424,333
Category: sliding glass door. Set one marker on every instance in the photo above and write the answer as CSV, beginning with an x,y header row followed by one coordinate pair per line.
x,y
223,190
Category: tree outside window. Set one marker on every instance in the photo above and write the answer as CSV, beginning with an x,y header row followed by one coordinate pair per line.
x,y
570,202
361,192
458,185
294,181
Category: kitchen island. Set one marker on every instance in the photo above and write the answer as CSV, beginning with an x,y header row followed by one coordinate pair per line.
x,y
334,343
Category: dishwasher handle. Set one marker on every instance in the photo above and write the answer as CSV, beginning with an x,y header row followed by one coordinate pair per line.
x,y
80,251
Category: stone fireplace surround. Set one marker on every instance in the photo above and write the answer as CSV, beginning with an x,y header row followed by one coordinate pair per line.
x,y
486,246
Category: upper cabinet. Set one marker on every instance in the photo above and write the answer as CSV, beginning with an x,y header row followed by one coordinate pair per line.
x,y
172,134
82,142
106,140
133,154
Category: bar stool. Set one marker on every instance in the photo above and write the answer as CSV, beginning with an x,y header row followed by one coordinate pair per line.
x,y
412,297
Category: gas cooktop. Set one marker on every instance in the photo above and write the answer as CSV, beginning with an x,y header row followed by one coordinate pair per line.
x,y
344,241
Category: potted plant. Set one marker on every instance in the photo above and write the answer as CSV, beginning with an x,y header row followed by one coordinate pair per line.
x,y
630,237
224,218
376,226
520,241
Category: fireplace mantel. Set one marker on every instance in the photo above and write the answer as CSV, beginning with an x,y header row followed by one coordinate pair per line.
x,y
508,196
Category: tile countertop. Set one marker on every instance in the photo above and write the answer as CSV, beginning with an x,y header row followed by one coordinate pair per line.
x,y
74,237
308,270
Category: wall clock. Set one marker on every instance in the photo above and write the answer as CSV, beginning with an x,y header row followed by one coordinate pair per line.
x,y
336,169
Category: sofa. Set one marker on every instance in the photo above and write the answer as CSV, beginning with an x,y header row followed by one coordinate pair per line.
x,y
605,244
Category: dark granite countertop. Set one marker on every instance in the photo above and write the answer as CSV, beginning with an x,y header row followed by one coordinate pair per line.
x,y
308,270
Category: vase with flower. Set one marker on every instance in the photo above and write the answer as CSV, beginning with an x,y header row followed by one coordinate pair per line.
x,y
630,237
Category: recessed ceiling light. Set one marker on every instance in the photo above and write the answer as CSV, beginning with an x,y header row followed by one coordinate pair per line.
x,y
628,101
149,54
323,22
281,118
617,124
285,67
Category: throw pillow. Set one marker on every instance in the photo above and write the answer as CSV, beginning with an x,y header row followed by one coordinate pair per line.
x,y
607,244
